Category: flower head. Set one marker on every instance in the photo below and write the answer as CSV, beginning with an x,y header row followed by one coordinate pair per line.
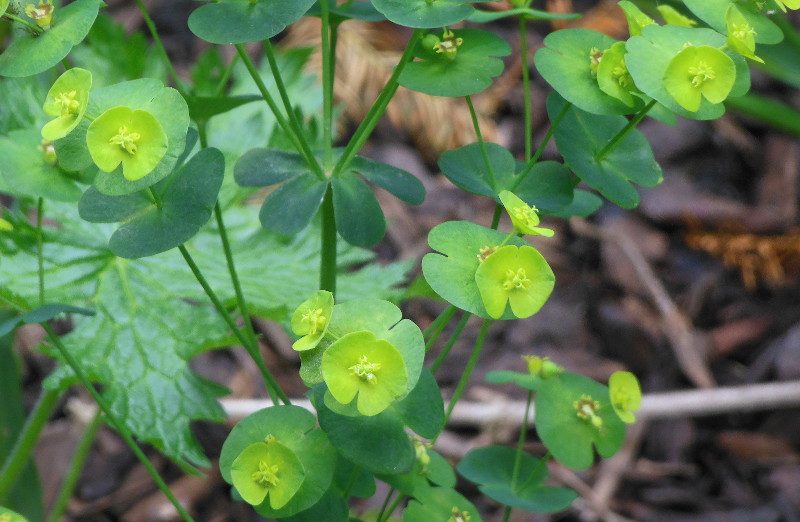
x,y
542,366
626,395
699,72
311,320
524,217
448,45
741,35
134,138
267,469
361,364
66,100
515,275
41,13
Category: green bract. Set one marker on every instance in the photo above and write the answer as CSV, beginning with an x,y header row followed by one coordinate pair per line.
x,y
519,276
674,17
360,364
134,138
636,18
699,72
311,320
626,395
67,100
714,13
613,77
524,217
741,35
6,515
267,469
240,21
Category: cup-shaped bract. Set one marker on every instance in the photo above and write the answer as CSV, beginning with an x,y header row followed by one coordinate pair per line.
x,y
134,138
361,364
741,35
524,217
66,100
626,395
791,4
267,469
613,77
311,320
513,275
699,72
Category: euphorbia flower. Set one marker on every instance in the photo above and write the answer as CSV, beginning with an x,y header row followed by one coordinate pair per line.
x,y
67,100
698,72
524,217
626,395
267,469
361,364
791,4
41,13
311,320
516,275
542,366
613,77
134,138
741,35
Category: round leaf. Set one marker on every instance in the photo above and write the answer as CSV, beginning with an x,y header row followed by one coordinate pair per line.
x,y
440,504
241,21
289,208
398,182
264,167
424,14
359,218
423,409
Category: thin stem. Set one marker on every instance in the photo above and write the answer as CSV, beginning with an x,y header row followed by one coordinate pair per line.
x,y
506,514
270,384
118,425
327,81
378,108
439,323
540,150
66,64
498,212
385,504
523,432
75,467
226,75
481,143
526,85
450,343
391,509
20,454
473,360
611,145
297,140
162,50
33,27
327,261
40,248
535,472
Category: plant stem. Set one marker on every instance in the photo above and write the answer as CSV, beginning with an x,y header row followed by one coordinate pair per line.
x,y
270,384
540,150
226,75
75,467
435,328
121,428
542,462
481,143
523,432
611,145
33,27
391,509
526,85
450,342
26,441
376,111
327,81
498,212
327,261
162,50
473,360
40,248
298,140
385,504
506,514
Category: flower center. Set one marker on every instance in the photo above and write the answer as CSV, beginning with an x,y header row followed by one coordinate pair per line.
x,y
516,279
315,320
485,252
457,515
624,78
586,408
365,370
742,31
527,215
701,72
42,14
595,56
68,103
449,44
126,140
266,475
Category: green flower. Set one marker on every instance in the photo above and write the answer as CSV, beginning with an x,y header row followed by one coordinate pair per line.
x,y
519,276
626,395
542,366
613,77
267,469
134,138
311,320
524,217
636,18
41,13
673,17
791,4
66,100
361,364
741,35
698,72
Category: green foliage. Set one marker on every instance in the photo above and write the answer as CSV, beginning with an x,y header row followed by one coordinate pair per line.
x,y
241,21
424,14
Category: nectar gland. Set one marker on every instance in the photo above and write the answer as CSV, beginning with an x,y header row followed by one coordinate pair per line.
x,y
457,515
68,103
485,252
365,370
586,409
315,320
42,13
266,475
701,72
449,44
126,140
527,215
516,280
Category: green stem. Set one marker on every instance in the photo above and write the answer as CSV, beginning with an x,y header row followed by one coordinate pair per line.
x,y
535,472
75,467
226,75
473,361
526,85
40,248
611,145
297,138
118,425
270,384
327,262
66,64
434,329
498,212
162,50
481,143
33,27
385,504
21,452
540,150
327,82
391,509
520,442
450,342
378,108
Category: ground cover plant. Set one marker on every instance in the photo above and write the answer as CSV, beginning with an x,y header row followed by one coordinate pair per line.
x,y
132,168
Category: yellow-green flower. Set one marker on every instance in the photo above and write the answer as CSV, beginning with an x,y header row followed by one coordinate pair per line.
x,y
741,35
41,13
267,469
311,320
626,395
5,226
523,216
699,72
791,4
636,18
66,100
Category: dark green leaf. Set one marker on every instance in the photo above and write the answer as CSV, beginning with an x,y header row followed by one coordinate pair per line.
x,y
202,108
584,204
265,167
438,504
481,17
423,409
424,14
330,508
398,182
523,380
289,208
353,11
359,218
241,21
